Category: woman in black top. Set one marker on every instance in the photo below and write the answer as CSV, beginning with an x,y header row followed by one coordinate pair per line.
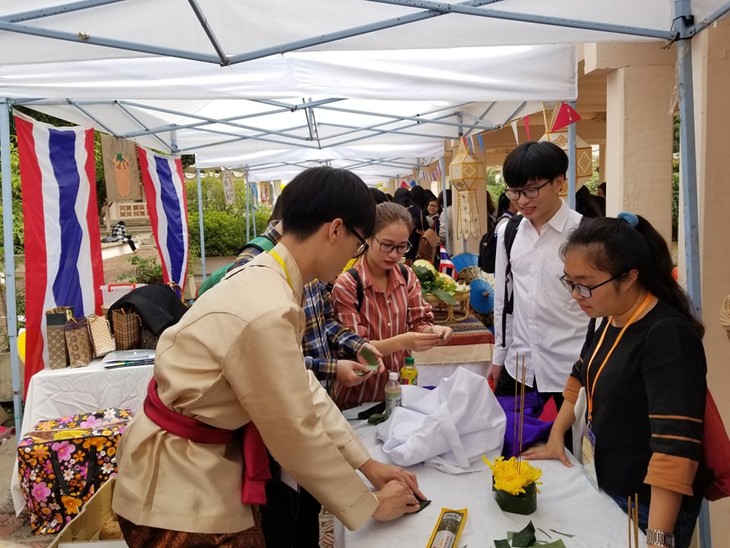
x,y
643,370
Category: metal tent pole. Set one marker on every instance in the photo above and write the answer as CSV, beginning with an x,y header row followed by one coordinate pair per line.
x,y
684,24
12,314
200,221
572,171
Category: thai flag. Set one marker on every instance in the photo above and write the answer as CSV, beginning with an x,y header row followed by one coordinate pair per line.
x,y
164,187
63,264
446,265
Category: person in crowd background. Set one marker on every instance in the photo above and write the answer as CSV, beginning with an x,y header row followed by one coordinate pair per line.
x,y
418,195
119,234
378,195
445,220
546,328
393,314
433,212
644,373
587,204
506,209
403,197
234,364
601,190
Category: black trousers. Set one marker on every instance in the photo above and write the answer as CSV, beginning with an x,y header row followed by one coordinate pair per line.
x,y
506,386
290,519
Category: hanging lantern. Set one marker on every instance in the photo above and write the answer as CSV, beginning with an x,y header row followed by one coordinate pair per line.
x,y
466,173
583,154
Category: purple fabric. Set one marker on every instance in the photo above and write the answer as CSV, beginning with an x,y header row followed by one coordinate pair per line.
x,y
534,430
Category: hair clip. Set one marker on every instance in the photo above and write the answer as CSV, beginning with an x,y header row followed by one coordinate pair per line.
x,y
630,218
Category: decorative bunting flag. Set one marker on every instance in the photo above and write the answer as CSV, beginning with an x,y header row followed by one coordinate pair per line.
x,y
480,138
513,123
566,115
164,189
526,121
62,240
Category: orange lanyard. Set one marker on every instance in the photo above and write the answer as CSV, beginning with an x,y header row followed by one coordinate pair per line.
x,y
632,319
279,260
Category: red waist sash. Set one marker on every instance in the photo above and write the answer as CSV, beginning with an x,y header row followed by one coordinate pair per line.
x,y
255,471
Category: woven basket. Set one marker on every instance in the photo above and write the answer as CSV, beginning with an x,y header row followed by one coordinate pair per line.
x,y
461,298
725,316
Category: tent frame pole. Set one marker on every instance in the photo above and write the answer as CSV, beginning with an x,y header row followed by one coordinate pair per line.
x,y
8,243
199,183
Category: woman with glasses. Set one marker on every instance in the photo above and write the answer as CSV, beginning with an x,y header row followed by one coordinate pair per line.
x,y
643,371
392,312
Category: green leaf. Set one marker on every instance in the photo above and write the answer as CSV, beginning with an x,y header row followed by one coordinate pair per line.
x,y
501,544
524,538
448,298
554,544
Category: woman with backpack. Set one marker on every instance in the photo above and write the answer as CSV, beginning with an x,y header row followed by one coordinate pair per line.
x,y
643,371
380,299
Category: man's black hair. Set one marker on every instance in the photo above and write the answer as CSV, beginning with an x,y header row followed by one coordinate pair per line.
x,y
322,194
534,161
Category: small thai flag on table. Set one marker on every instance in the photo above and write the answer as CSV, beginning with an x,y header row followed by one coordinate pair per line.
x,y
446,265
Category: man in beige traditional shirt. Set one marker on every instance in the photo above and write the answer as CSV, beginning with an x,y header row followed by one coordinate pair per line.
x,y
235,358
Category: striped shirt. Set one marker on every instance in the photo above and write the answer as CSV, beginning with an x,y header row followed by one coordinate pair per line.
x,y
401,308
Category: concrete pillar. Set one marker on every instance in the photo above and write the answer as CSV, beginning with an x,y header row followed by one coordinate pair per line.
x,y
602,163
639,143
711,64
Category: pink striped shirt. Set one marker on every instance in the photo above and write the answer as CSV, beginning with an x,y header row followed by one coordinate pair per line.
x,y
401,308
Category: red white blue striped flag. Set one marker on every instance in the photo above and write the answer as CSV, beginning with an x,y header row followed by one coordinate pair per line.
x,y
63,264
446,265
164,187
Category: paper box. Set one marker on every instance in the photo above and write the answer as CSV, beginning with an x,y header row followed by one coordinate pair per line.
x,y
86,528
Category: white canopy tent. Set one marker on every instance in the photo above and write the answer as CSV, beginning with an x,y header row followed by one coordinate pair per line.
x,y
228,32
390,108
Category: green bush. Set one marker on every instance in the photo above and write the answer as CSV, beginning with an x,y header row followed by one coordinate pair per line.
x,y
225,233
147,270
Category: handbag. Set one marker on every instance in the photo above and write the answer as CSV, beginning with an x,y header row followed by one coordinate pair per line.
x,y
127,328
102,341
78,342
427,245
56,341
716,453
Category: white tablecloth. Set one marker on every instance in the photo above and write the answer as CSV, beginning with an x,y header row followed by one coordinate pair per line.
x,y
56,393
567,503
441,361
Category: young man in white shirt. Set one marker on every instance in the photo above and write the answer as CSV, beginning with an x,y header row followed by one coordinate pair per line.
x,y
546,328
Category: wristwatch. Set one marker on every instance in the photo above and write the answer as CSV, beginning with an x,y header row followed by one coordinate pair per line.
x,y
659,538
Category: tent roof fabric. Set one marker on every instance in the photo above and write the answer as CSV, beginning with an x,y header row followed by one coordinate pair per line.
x,y
346,107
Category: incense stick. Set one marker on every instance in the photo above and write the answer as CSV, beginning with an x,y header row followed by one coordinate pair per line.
x,y
522,405
636,519
516,410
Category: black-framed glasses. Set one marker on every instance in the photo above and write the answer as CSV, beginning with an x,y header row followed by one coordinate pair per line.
x,y
363,247
585,291
402,249
532,192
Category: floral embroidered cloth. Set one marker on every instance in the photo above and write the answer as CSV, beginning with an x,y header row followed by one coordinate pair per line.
x,y
62,462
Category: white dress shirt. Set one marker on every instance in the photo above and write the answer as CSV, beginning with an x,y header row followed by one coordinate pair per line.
x,y
547,327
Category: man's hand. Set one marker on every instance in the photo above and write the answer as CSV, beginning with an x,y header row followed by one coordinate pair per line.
x,y
375,352
347,373
378,473
395,499
493,374
443,331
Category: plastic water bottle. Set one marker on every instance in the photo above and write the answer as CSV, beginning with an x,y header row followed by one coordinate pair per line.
x,y
393,393
409,373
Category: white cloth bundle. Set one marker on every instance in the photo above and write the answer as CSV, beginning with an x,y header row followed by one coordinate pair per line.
x,y
449,427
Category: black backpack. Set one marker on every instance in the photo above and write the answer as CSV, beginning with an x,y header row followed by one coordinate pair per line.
x,y
488,247
359,290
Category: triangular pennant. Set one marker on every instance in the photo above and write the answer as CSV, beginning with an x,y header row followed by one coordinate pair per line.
x,y
513,123
481,142
566,115
526,121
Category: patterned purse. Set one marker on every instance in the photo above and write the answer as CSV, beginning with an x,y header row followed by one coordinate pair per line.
x,y
55,320
78,342
127,327
102,341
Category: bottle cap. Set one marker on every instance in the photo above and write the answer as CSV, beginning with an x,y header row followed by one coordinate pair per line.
x,y
393,376
410,361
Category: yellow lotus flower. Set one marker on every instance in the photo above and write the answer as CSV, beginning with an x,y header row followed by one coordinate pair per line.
x,y
512,476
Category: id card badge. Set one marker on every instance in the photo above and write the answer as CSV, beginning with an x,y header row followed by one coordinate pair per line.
x,y
588,454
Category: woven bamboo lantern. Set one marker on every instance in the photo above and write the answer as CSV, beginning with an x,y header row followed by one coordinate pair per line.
x,y
466,173
583,154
